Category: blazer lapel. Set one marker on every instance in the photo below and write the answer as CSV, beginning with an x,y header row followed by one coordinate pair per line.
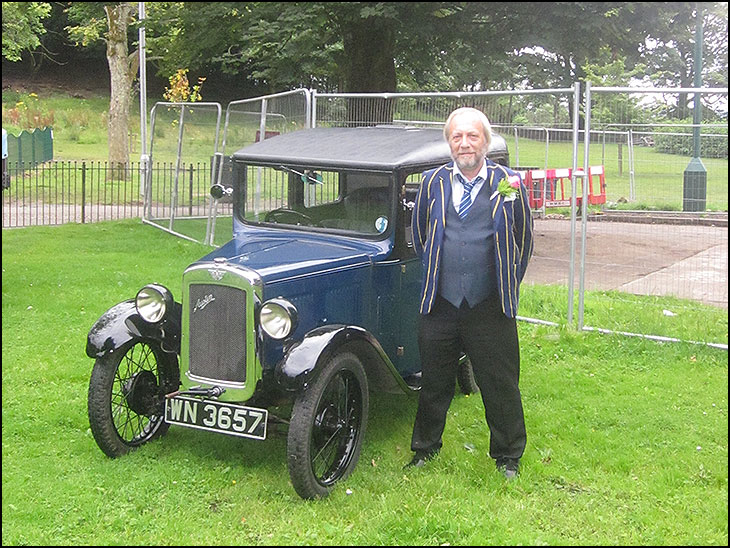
x,y
448,176
495,198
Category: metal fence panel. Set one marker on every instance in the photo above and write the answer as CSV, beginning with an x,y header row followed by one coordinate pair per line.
x,y
655,237
250,120
190,134
182,134
61,192
547,139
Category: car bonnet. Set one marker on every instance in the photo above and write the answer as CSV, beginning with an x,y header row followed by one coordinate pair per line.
x,y
280,255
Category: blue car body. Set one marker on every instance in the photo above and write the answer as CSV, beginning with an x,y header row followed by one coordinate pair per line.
x,y
364,282
314,302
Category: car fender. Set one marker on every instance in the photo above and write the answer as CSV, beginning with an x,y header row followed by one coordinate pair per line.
x,y
303,360
121,324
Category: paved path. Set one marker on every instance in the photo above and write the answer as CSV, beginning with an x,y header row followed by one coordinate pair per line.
x,y
685,261
706,271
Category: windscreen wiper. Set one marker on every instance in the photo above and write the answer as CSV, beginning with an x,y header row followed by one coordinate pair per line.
x,y
308,176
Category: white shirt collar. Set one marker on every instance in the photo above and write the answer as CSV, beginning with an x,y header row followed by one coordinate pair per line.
x,y
457,189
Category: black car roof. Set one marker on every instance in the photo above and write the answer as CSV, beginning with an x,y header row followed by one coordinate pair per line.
x,y
377,148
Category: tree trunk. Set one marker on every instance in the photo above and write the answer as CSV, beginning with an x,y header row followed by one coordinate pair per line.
x,y
369,47
118,18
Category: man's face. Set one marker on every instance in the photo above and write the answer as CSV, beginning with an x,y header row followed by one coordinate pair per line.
x,y
467,142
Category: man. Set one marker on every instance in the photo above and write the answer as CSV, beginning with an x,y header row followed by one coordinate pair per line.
x,y
472,228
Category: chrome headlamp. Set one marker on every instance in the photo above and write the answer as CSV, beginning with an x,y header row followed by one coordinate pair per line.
x,y
278,318
153,302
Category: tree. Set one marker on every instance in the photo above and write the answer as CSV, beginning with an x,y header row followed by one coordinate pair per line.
x,y
342,46
274,44
561,43
110,23
610,70
372,46
670,49
22,27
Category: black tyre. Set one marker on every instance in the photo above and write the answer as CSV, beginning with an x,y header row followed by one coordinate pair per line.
x,y
465,377
126,396
327,427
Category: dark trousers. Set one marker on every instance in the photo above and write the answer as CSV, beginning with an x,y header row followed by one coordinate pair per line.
x,y
490,341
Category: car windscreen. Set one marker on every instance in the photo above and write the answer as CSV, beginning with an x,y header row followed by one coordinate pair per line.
x,y
309,198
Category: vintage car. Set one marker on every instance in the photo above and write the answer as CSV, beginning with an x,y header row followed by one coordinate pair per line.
x,y
314,302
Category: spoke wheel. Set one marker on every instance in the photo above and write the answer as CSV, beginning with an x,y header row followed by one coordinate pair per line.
x,y
126,396
327,427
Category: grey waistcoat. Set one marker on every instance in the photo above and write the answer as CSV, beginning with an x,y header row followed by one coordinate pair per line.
x,y
467,264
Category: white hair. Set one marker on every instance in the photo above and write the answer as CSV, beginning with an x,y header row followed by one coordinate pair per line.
x,y
474,112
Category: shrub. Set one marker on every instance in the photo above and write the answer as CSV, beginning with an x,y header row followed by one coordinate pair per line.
x,y
679,140
28,114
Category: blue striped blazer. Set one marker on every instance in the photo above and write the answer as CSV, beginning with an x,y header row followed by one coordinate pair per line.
x,y
513,232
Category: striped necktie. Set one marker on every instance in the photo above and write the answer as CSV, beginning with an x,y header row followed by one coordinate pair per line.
x,y
466,197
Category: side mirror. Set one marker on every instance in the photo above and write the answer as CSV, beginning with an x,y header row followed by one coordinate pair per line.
x,y
218,191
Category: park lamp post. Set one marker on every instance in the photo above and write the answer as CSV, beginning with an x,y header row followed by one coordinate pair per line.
x,y
695,175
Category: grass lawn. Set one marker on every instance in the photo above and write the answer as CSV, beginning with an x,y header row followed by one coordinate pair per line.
x,y
627,438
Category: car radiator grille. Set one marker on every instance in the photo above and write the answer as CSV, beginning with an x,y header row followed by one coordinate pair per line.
x,y
217,332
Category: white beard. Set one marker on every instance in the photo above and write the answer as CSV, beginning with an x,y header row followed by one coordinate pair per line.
x,y
468,165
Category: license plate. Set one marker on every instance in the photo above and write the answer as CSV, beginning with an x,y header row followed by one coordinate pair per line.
x,y
216,416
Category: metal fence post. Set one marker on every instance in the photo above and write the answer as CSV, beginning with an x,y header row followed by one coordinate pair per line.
x,y
178,166
584,206
632,181
83,192
576,137
545,180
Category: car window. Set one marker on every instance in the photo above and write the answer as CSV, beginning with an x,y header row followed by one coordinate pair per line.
x,y
412,184
320,199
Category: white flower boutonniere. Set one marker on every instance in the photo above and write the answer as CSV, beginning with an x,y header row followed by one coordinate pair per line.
x,y
508,188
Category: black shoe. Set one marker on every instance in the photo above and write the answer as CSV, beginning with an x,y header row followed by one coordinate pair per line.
x,y
420,458
510,468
